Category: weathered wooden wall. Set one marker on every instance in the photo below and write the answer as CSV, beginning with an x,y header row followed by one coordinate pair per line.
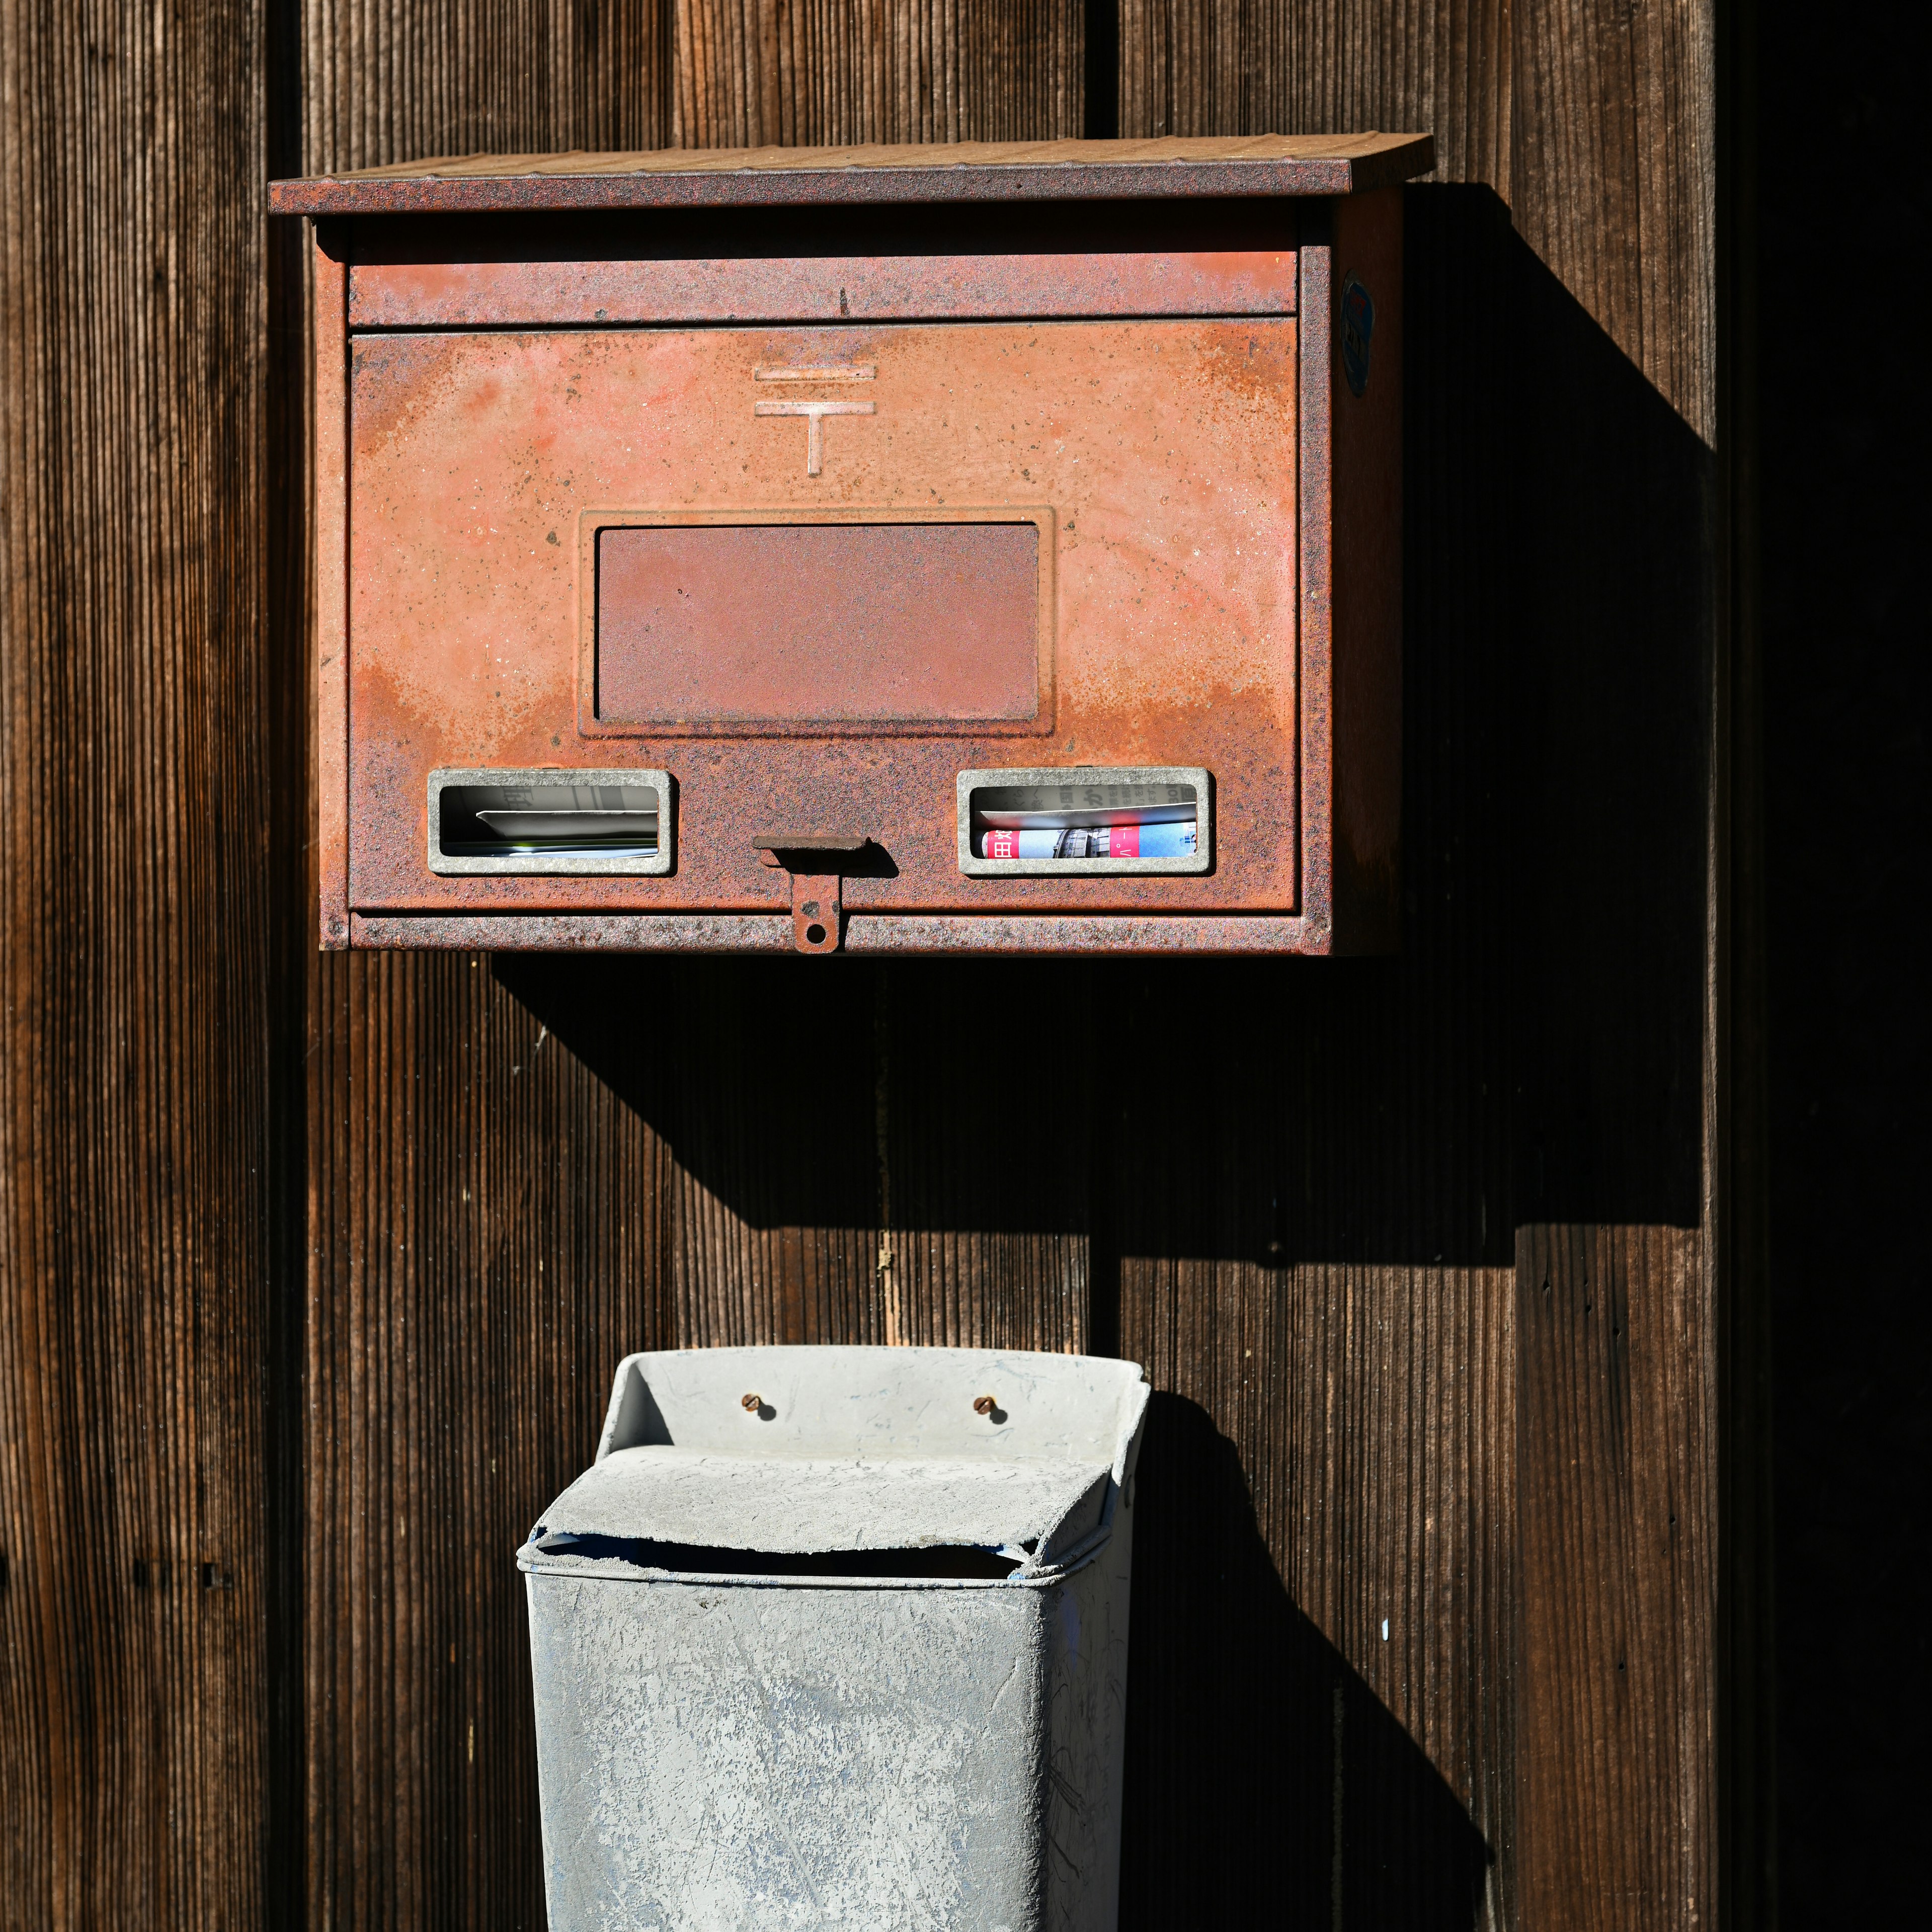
x,y
139,713
1425,1256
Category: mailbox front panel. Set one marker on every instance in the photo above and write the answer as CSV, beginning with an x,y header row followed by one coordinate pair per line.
x,y
814,573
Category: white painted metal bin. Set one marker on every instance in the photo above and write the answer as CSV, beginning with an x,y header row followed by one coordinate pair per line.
x,y
816,1641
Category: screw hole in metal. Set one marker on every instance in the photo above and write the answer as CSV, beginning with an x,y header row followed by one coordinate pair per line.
x,y
815,935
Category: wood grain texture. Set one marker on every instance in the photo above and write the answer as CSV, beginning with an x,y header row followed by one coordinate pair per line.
x,y
1247,67
1614,181
804,73
1291,1189
392,80
1597,128
1618,1544
487,1240
137,729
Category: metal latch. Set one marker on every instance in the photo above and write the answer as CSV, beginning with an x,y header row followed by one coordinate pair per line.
x,y
818,912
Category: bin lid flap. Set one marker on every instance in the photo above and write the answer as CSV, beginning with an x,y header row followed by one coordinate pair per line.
x,y
812,1505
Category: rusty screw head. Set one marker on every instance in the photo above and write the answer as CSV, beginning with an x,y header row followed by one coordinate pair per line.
x,y
984,1405
753,1402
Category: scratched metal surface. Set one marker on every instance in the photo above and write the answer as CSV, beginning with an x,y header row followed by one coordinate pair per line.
x,y
1167,451
414,293
797,624
940,1759
719,1752
701,932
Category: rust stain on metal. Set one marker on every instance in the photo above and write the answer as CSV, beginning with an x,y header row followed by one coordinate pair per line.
x,y
799,623
1171,582
1106,537
415,294
818,916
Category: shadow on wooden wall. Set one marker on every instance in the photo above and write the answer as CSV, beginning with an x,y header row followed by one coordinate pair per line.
x,y
1168,1159
1288,1776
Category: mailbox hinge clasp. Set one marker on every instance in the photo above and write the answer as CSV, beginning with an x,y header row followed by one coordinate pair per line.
x,y
817,901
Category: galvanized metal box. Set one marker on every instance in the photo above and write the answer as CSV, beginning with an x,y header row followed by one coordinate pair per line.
x,y
839,1635
807,486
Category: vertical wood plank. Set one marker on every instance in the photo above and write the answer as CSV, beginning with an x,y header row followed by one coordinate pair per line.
x,y
1234,67
1618,1542
1328,1545
1614,178
825,72
138,905
487,1244
1598,134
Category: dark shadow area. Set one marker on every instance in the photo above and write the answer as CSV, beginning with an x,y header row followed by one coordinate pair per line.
x,y
959,1561
1533,1052
762,1075
1246,1728
1845,503
1611,549
1101,77
887,228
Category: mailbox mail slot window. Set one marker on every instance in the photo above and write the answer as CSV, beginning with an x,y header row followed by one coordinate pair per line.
x,y
1065,822
810,623
550,822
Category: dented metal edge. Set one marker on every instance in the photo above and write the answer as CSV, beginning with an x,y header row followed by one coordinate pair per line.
x,y
535,1562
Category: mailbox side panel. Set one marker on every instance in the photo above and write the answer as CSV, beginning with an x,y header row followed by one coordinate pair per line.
x,y
1088,1725
1366,486
330,705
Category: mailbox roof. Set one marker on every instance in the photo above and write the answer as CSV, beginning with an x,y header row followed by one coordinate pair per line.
x,y
966,171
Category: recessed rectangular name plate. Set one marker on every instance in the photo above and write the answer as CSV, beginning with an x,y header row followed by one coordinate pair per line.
x,y
550,821
791,626
1084,820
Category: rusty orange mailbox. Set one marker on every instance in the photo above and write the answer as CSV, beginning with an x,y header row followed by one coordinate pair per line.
x,y
905,550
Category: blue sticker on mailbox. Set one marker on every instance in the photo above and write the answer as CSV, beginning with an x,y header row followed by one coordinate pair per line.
x,y
1358,329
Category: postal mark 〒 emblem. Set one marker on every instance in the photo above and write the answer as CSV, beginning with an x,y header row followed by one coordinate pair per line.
x,y
815,412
